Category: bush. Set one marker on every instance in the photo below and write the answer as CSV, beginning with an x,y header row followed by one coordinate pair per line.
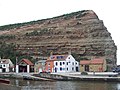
x,y
84,73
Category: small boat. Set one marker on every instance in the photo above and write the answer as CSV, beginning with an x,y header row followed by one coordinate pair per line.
x,y
4,81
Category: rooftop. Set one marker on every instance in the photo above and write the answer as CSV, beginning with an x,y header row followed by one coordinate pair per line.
x,y
28,62
93,61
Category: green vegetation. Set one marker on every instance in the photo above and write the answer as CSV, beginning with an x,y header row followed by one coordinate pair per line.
x,y
7,37
79,15
109,61
8,51
38,33
79,57
18,25
84,73
76,56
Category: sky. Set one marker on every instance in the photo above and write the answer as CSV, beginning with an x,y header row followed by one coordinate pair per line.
x,y
18,11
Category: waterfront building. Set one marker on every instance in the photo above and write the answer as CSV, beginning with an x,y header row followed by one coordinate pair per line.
x,y
94,65
24,65
61,63
6,65
39,66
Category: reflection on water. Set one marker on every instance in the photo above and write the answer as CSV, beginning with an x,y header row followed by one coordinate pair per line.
x,y
65,85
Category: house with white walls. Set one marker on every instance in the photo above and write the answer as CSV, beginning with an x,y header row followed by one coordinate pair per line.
x,y
6,65
24,66
62,63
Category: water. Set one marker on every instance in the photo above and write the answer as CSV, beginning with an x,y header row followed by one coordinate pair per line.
x,y
65,85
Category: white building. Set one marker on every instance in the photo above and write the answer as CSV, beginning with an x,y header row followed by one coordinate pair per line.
x,y
6,65
24,66
65,63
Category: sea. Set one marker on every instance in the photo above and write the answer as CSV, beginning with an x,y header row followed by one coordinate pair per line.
x,y
64,85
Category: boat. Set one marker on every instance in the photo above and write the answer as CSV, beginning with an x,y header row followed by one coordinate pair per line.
x,y
6,81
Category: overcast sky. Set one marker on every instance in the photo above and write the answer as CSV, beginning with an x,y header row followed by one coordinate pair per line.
x,y
18,11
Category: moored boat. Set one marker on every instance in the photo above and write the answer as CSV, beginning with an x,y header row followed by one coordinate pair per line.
x,y
4,81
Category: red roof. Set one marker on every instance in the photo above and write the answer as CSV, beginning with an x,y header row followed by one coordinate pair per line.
x,y
85,62
94,61
97,61
28,62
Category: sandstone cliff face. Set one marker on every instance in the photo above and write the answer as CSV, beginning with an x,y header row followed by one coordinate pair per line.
x,y
80,32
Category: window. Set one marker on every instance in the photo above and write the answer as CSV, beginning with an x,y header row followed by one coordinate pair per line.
x,y
72,63
56,63
48,64
67,63
0,66
63,69
3,65
63,63
60,63
60,68
52,57
60,57
67,69
72,68
49,69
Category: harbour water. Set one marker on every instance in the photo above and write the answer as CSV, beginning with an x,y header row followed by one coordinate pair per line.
x,y
65,85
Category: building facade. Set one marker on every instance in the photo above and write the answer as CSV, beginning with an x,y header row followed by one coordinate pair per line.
x,y
39,66
62,63
6,65
94,65
24,66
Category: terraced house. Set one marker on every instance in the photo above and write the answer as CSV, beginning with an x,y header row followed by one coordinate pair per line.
x,y
94,65
61,63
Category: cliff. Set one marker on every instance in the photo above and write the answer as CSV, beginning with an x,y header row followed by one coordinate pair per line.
x,y
81,32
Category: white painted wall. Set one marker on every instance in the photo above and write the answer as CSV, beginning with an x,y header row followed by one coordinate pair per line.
x,y
0,70
69,65
17,68
4,66
58,66
7,67
28,68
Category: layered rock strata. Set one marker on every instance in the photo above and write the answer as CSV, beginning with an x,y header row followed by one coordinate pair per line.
x,y
80,32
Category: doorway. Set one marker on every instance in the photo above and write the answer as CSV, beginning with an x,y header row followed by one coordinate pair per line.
x,y
22,68
87,68
77,69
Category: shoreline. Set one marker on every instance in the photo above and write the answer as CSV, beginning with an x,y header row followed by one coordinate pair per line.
x,y
106,76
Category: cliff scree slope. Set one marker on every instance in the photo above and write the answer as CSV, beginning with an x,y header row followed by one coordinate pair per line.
x,y
80,32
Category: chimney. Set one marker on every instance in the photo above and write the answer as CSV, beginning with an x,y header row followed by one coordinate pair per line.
x,y
51,53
